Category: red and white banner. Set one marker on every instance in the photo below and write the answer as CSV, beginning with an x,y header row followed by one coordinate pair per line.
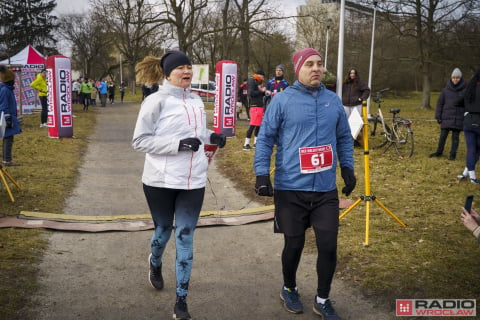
x,y
59,80
224,115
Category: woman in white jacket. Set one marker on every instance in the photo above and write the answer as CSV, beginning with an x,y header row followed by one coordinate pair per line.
x,y
170,129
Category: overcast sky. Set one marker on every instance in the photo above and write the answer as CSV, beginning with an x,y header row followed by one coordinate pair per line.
x,y
79,6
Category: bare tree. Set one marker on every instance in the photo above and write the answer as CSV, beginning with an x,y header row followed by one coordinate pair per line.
x,y
250,14
427,22
134,26
90,44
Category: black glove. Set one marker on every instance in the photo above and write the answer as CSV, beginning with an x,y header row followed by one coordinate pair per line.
x,y
263,186
189,144
439,121
9,122
218,138
349,179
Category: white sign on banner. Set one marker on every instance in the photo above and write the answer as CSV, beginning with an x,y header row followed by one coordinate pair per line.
x,y
200,73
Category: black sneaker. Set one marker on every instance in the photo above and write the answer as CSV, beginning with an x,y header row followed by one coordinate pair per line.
x,y
247,147
155,275
325,310
180,311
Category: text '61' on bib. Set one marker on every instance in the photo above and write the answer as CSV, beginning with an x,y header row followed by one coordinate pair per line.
x,y
315,159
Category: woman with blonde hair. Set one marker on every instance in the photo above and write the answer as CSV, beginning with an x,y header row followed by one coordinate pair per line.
x,y
171,128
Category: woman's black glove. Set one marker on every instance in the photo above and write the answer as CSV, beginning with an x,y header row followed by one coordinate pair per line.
x,y
349,179
218,138
189,144
263,186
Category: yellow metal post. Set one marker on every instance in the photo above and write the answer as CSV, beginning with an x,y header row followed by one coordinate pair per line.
x,y
368,197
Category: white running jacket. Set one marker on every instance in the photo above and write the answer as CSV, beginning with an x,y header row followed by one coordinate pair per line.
x,y
167,116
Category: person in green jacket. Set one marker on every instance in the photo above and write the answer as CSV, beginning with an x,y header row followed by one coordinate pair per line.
x,y
85,93
40,84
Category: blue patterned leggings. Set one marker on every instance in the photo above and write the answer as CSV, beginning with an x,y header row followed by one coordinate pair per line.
x,y
185,206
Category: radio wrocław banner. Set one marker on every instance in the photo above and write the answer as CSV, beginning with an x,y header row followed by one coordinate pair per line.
x,y
225,97
59,80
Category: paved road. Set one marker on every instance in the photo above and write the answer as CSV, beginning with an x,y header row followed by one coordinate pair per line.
x,y
236,273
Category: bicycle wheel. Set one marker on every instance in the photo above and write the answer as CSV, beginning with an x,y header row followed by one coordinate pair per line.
x,y
403,139
377,137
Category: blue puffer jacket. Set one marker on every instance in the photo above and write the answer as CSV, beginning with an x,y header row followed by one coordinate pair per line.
x,y
300,117
8,105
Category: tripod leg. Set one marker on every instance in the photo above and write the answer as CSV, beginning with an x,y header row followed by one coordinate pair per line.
x,y
6,185
353,205
390,213
11,178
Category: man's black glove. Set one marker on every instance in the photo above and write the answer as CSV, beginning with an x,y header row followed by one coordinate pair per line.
x,y
439,121
189,144
9,122
218,138
263,186
349,179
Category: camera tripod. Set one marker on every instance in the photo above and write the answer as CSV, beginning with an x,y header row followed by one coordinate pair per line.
x,y
3,173
368,197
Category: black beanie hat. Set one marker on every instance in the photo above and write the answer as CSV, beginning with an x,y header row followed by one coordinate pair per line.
x,y
173,59
261,73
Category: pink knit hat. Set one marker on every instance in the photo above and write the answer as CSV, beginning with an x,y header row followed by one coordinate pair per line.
x,y
299,58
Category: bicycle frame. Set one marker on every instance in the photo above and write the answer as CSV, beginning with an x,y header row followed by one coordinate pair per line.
x,y
400,134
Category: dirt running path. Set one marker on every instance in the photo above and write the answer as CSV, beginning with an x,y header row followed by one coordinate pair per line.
x,y
236,272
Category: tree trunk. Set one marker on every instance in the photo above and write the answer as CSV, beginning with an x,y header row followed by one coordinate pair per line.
x,y
427,86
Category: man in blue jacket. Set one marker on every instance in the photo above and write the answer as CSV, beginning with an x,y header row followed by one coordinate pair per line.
x,y
309,127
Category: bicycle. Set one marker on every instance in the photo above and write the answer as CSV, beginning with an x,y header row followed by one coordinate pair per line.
x,y
399,133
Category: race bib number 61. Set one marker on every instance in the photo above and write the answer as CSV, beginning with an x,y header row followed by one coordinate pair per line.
x,y
316,159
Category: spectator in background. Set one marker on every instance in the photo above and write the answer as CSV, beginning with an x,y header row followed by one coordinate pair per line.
x,y
255,100
103,90
243,96
471,127
448,115
75,91
85,93
276,84
40,84
354,91
8,105
123,86
93,93
111,92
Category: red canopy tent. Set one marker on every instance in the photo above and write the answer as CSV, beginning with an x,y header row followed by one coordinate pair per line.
x,y
28,63
29,57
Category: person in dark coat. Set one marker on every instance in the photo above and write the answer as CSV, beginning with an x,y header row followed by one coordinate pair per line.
x,y
448,115
8,106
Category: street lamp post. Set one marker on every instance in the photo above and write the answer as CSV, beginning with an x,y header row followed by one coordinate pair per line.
x,y
329,22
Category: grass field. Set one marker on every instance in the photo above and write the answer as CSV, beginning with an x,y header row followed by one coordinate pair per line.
x,y
435,256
